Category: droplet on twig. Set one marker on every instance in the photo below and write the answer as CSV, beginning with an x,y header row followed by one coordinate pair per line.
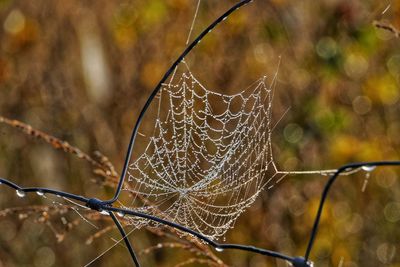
x,y
368,168
219,249
20,193
40,193
104,212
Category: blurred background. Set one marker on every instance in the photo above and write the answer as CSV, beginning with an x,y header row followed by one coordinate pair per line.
x,y
81,71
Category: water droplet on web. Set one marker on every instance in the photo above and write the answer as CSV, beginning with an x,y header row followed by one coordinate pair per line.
x,y
368,168
219,249
40,193
191,133
20,193
104,212
120,214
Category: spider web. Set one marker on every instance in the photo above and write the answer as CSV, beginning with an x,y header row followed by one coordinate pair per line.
x,y
209,156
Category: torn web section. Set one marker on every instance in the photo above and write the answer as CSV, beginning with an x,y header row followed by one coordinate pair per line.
x,y
207,157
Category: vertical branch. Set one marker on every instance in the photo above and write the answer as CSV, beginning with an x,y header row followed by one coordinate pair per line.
x,y
103,167
126,239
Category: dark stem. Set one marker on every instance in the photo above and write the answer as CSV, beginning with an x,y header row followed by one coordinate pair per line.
x,y
44,191
200,236
325,193
126,239
295,261
98,205
158,88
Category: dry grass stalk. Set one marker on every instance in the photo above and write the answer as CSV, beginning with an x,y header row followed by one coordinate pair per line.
x,y
103,167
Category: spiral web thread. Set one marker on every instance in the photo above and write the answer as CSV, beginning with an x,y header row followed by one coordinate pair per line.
x,y
209,157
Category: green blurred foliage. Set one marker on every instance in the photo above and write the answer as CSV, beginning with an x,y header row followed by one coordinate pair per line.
x,y
82,69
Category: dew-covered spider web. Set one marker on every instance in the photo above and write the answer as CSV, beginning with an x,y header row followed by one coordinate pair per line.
x,y
209,156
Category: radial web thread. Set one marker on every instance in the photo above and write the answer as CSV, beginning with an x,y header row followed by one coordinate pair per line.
x,y
209,156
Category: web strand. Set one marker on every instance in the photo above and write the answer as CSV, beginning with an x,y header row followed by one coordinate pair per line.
x,y
194,20
205,164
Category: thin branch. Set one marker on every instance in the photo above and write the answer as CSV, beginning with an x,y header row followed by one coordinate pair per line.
x,y
161,246
387,27
103,167
51,140
99,234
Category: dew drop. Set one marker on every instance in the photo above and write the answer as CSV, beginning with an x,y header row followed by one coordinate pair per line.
x,y
40,193
104,212
120,214
368,168
219,249
21,193
1,182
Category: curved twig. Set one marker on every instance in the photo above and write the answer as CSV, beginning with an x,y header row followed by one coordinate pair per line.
x,y
328,186
126,239
158,87
98,205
